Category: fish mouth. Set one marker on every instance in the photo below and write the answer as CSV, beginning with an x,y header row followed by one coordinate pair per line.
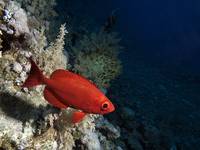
x,y
112,108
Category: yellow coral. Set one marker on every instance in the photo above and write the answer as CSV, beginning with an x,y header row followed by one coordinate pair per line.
x,y
96,57
99,67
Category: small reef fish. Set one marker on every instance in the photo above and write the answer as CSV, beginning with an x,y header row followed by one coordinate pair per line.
x,y
67,89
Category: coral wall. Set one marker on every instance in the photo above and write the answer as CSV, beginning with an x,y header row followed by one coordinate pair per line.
x,y
27,120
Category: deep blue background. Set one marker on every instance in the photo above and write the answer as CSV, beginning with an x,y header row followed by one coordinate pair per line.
x,y
161,73
165,32
162,32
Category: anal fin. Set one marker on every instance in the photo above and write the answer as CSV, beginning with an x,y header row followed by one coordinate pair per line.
x,y
77,116
52,99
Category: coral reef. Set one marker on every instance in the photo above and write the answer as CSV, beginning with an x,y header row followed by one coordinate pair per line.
x,y
15,32
15,18
96,57
39,11
27,120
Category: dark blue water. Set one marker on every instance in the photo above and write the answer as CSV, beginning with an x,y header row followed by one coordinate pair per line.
x,y
161,73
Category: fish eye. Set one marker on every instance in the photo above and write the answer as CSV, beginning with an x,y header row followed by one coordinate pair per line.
x,y
104,106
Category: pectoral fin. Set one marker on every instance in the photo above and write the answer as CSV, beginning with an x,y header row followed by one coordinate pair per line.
x,y
52,99
77,116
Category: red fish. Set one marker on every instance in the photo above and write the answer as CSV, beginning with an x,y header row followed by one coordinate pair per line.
x,y
67,89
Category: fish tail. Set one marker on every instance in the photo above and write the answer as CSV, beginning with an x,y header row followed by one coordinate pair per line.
x,y
35,77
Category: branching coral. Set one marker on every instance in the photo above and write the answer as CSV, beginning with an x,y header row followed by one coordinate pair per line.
x,y
102,41
54,53
96,57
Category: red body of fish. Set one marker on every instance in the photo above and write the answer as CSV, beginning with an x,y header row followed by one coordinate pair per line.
x,y
66,89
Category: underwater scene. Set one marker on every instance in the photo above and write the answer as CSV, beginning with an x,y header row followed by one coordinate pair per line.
x,y
99,75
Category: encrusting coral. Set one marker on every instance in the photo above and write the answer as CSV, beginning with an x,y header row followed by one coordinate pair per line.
x,y
13,26
39,11
96,57
27,120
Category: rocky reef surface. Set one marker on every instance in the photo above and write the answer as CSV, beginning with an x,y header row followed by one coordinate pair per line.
x,y
27,120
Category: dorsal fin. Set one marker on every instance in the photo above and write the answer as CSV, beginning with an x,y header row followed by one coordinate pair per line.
x,y
61,73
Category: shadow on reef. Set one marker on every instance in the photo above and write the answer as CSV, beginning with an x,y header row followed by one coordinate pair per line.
x,y
137,133
18,109
163,111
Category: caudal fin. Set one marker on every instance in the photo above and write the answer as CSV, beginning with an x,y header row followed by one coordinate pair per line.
x,y
35,77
